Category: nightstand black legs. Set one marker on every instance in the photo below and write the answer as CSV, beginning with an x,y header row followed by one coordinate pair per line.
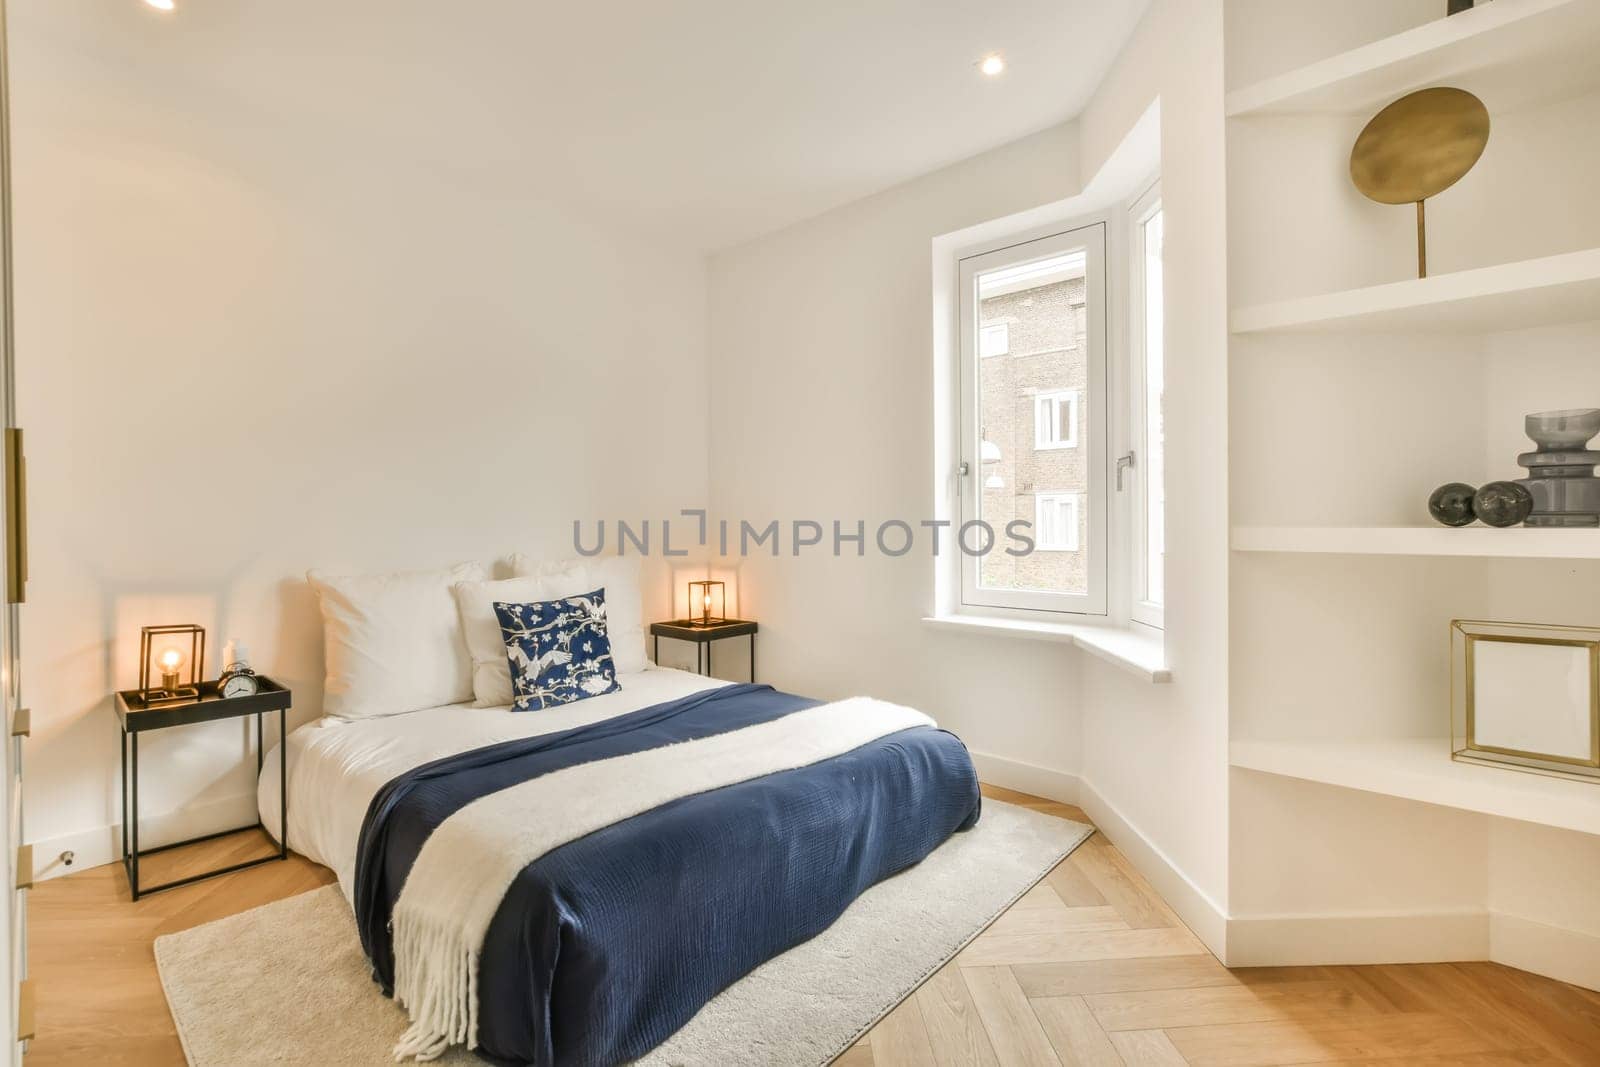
x,y
702,639
131,853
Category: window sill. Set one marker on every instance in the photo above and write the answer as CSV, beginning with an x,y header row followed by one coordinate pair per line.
x,y
1140,650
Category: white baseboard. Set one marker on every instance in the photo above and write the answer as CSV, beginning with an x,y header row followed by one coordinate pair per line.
x,y
1553,951
1026,777
1193,905
1405,937
103,844
1416,937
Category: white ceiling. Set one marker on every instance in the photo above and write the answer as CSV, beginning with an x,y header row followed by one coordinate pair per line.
x,y
706,122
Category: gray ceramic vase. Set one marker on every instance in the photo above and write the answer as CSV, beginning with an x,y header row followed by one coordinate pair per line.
x,y
1561,470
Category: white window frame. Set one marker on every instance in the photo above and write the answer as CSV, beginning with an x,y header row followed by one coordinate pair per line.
x,y
1003,327
1047,499
1089,236
1045,406
1141,608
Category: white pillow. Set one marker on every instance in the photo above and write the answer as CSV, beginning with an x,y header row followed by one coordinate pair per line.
x,y
491,670
619,577
393,641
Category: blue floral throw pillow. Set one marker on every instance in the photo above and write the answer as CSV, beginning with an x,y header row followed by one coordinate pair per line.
x,y
558,649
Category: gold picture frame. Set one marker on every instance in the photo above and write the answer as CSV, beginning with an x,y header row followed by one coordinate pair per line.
x,y
1468,743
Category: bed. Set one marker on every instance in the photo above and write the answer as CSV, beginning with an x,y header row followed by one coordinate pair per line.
x,y
682,831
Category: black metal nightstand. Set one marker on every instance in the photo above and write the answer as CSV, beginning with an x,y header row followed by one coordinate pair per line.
x,y
702,636
135,717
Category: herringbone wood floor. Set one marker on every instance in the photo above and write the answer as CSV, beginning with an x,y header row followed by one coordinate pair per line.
x,y
1090,967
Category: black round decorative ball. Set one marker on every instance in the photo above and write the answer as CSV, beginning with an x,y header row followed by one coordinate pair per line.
x,y
1503,503
1452,504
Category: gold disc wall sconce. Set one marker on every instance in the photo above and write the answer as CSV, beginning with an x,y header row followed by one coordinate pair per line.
x,y
1418,147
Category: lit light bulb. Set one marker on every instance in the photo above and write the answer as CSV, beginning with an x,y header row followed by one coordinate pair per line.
x,y
992,65
161,5
169,662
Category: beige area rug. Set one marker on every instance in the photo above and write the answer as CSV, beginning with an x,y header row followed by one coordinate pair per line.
x,y
287,983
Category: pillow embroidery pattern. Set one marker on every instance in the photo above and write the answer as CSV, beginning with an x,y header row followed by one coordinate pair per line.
x,y
559,650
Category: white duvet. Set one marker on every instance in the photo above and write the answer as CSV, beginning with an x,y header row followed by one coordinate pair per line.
x,y
336,767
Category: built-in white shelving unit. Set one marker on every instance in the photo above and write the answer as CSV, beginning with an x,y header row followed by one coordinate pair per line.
x,y
1507,296
1471,541
1350,397
1421,769
1529,60
1510,51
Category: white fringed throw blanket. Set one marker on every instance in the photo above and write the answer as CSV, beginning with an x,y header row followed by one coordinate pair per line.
x,y
469,862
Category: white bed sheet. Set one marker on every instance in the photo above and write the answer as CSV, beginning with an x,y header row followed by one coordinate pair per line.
x,y
336,767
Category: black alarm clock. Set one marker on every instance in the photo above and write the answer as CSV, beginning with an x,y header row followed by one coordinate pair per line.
x,y
238,680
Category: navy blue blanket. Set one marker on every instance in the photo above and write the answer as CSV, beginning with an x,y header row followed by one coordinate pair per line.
x,y
602,948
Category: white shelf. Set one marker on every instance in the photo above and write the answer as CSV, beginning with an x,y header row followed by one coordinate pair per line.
x,y
1509,52
1507,296
1421,769
1519,542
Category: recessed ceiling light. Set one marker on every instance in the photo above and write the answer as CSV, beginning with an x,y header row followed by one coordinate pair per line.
x,y
161,5
992,65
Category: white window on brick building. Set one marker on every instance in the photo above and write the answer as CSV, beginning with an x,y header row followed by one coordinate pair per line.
x,y
1064,438
994,340
1055,420
1033,428
1055,524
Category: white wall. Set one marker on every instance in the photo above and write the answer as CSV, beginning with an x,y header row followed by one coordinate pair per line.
x,y
822,401
253,346
821,396
1156,756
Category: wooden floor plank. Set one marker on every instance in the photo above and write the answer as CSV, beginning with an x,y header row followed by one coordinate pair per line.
x,y
901,1039
1073,886
1013,1029
1554,1016
954,1029
1123,887
1147,1048
1163,1009
1537,1057
1042,922
1040,896
1121,975
1033,803
857,1055
1074,1033
1067,946
1269,1044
